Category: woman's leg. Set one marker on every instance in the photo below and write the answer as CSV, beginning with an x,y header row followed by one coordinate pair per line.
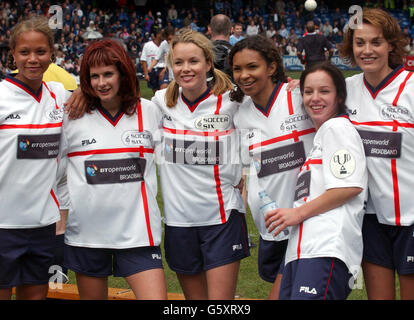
x,y
5,294
32,292
379,281
274,292
407,286
222,281
148,285
194,286
92,288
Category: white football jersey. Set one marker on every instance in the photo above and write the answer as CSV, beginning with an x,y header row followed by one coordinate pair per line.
x,y
336,161
199,160
276,139
149,52
30,129
111,179
384,117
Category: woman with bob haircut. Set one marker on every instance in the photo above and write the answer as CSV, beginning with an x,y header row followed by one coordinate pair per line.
x,y
205,228
264,120
325,245
380,102
114,224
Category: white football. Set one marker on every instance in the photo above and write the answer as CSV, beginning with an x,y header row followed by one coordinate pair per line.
x,y
310,5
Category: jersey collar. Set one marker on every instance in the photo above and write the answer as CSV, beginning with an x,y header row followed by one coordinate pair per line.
x,y
193,105
36,95
387,80
112,119
266,110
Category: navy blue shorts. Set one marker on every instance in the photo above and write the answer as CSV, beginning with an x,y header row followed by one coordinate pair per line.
x,y
100,262
315,279
26,255
389,246
154,79
271,258
191,250
166,78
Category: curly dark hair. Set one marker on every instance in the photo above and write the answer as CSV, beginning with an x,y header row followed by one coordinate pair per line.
x,y
267,49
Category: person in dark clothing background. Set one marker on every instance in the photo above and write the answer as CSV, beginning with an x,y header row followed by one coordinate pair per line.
x,y
220,30
315,46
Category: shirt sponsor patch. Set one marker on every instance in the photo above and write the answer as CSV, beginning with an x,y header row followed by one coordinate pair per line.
x,y
303,186
43,146
213,122
280,159
342,164
193,152
381,144
136,138
390,112
115,170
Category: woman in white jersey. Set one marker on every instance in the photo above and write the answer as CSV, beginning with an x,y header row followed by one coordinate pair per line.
x,y
30,127
114,224
380,102
277,134
325,244
205,232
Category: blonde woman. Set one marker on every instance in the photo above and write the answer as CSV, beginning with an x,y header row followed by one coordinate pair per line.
x,y
205,232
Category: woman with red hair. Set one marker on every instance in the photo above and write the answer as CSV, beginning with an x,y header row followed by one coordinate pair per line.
x,y
114,225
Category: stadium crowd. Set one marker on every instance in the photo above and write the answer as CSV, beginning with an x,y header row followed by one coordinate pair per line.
x,y
282,21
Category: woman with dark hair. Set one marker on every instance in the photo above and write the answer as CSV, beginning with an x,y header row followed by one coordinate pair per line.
x,y
114,225
31,112
325,244
381,107
274,125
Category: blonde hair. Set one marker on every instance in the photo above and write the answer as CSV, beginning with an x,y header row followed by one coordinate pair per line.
x,y
35,23
220,83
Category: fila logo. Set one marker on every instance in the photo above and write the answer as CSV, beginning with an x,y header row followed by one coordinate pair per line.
x,y
410,258
156,256
88,142
237,247
307,290
13,116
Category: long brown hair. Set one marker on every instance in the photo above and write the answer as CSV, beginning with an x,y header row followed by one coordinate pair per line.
x,y
108,52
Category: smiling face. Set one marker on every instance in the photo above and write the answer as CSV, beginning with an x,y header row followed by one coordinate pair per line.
x,y
32,54
190,69
319,97
371,52
105,81
252,74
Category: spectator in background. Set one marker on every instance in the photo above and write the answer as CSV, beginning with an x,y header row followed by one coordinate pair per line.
x,y
237,33
293,36
172,13
220,29
314,45
270,32
283,31
252,28
291,49
326,28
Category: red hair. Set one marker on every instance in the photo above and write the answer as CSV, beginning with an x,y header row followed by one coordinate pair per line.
x,y
108,52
